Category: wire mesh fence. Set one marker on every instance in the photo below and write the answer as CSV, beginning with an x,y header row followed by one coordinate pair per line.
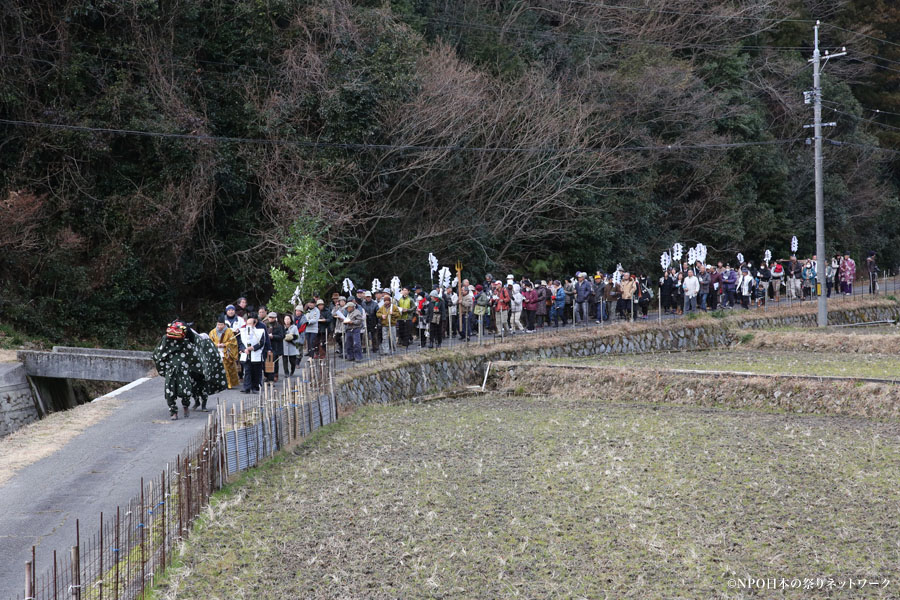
x,y
133,545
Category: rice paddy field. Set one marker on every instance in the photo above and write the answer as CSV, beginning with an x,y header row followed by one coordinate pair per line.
x,y
498,496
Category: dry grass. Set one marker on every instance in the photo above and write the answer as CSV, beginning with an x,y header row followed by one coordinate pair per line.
x,y
770,361
500,497
653,385
43,438
7,356
834,341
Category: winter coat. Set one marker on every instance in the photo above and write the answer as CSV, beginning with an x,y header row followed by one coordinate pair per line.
x,y
848,270
276,338
703,278
290,345
531,300
729,279
559,299
543,295
584,289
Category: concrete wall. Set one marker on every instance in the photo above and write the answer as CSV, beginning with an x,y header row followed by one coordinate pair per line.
x,y
99,365
17,407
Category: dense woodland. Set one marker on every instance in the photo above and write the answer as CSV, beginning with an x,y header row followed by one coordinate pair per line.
x,y
513,136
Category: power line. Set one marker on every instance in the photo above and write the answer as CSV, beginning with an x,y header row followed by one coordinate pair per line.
x,y
361,146
840,112
865,146
666,11
865,35
623,40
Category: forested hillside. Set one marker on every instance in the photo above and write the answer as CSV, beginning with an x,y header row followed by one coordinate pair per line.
x,y
540,136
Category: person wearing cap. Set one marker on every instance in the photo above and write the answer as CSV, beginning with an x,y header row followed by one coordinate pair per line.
x,y
436,311
500,301
481,306
407,307
464,310
231,319
353,323
298,315
872,270
372,329
312,329
276,341
251,344
745,285
337,315
226,343
324,319
388,317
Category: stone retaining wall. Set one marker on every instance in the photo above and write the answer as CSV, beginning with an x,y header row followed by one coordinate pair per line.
x,y
17,407
835,317
442,370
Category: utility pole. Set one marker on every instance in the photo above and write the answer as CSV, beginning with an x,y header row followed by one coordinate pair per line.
x,y
816,61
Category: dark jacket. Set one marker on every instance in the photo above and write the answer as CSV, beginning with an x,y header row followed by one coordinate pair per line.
x,y
583,290
543,295
276,337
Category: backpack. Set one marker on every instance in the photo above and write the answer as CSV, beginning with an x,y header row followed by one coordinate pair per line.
x,y
778,270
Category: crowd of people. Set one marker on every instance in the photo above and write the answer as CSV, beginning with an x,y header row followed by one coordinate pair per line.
x,y
257,344
706,287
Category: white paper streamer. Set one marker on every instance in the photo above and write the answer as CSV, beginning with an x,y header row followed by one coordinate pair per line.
x,y
432,262
444,277
740,258
664,261
677,251
794,244
701,252
768,256
348,285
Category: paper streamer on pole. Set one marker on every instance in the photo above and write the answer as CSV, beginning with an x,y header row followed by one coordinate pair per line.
x,y
701,253
295,299
677,251
348,285
768,256
692,257
740,258
664,261
432,262
455,283
444,277
617,276
376,285
794,244
395,285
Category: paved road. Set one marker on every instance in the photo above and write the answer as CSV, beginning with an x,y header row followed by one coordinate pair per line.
x,y
98,470
101,468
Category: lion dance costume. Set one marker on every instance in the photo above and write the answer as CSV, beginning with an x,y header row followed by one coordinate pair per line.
x,y
191,366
